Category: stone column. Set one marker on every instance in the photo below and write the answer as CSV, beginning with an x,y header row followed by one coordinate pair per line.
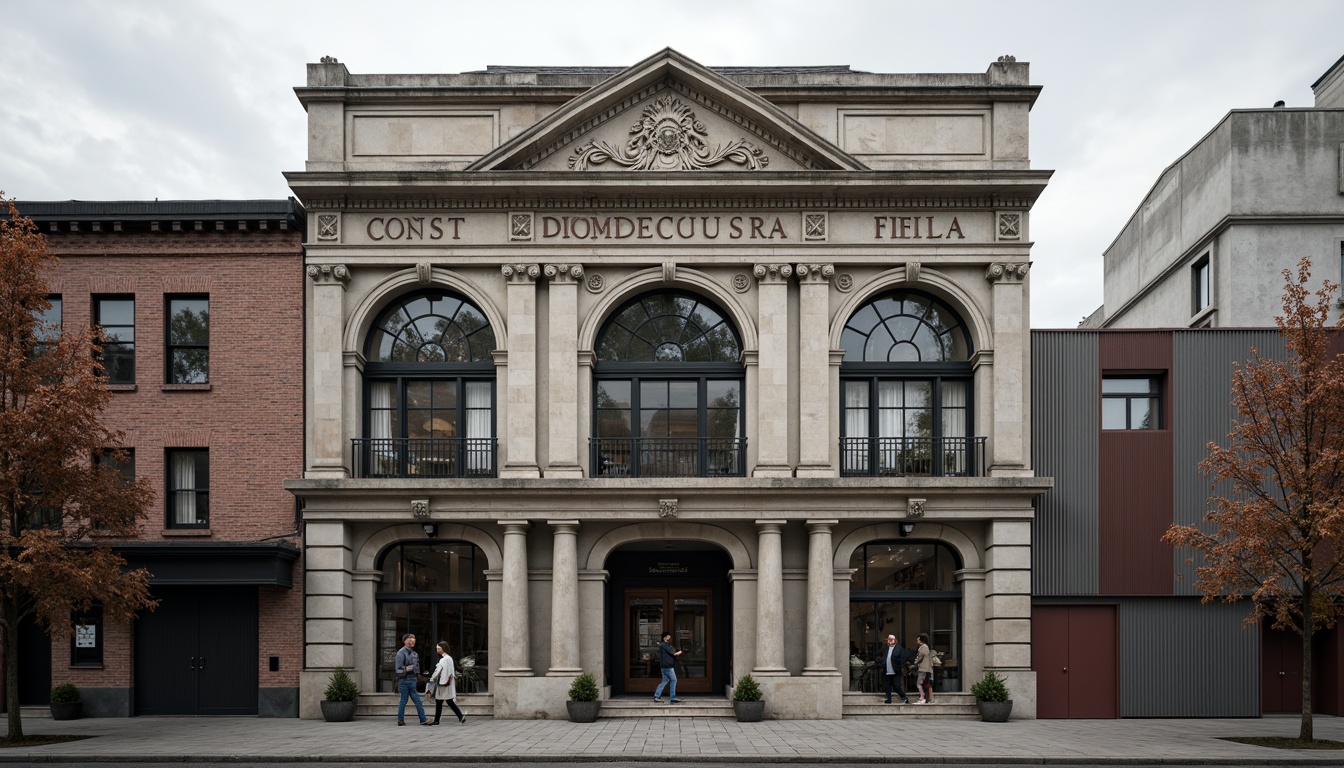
x,y
1007,595
820,599
973,624
513,596
1008,450
815,411
770,598
365,620
326,322
563,358
520,434
565,599
772,379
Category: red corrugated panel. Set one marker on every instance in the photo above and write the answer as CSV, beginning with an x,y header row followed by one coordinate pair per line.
x,y
1135,477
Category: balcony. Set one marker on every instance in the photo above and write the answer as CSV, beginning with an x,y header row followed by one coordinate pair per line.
x,y
424,457
668,457
912,456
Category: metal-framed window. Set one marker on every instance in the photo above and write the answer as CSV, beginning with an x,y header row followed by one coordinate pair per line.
x,y
187,339
188,487
1201,285
1131,402
86,643
116,316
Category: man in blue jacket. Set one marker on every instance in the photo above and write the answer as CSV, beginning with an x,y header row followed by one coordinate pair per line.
x,y
892,660
407,667
667,659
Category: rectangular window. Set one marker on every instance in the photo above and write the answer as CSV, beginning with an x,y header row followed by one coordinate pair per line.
x,y
188,340
1131,402
1200,285
86,644
116,316
123,464
188,488
49,324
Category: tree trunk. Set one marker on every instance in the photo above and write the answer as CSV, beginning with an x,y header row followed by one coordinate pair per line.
x,y
12,671
1305,732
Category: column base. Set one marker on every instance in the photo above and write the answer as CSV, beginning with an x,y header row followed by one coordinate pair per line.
x,y
564,671
520,471
564,472
772,470
1010,470
815,470
770,672
513,672
820,672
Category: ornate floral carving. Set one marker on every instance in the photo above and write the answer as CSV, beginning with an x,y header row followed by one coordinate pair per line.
x,y
667,507
814,226
668,137
420,507
329,273
1006,272
520,273
563,273
520,226
1010,226
328,226
844,282
815,273
772,273
596,283
914,507
741,283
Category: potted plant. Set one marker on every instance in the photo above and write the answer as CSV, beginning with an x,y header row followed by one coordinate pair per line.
x,y
583,704
65,703
991,697
747,702
338,704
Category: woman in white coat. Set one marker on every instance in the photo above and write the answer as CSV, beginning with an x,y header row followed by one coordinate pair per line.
x,y
445,680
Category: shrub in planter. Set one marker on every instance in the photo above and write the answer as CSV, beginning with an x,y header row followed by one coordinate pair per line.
x,y
65,703
338,705
583,704
747,702
991,698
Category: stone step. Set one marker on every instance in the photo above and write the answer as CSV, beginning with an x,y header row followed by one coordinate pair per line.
x,y
645,706
385,705
945,706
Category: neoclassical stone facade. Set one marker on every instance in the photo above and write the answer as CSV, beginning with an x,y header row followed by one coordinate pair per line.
x,y
740,354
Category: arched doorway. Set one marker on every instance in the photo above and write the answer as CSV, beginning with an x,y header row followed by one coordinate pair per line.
x,y
659,586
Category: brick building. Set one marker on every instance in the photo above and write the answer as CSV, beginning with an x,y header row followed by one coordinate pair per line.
x,y
203,301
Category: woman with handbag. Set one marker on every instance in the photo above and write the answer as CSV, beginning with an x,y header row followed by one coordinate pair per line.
x,y
924,664
444,679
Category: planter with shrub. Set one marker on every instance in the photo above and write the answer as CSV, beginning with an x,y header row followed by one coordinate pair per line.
x,y
583,705
338,705
747,702
65,703
991,698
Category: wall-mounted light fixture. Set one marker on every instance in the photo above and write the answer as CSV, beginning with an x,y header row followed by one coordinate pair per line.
x,y
431,529
907,529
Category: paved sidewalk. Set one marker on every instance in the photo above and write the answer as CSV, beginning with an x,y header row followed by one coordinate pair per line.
x,y
858,740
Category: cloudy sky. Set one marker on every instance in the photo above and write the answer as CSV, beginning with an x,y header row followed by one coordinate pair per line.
x,y
183,99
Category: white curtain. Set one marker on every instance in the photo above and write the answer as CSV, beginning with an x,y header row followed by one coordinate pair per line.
x,y
184,481
380,410
479,455
956,445
856,426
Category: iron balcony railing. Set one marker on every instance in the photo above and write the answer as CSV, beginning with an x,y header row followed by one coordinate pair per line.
x,y
912,456
425,457
668,456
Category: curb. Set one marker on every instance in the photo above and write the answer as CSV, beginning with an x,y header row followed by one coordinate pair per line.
x,y
977,760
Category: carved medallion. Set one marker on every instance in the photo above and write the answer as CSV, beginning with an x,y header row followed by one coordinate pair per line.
x,y
596,283
741,282
668,138
328,226
844,281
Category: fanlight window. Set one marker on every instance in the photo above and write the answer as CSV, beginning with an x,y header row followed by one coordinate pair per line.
x,y
904,328
432,328
668,328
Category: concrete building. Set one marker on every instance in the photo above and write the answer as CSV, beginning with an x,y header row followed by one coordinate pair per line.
x,y
739,353
203,305
1121,420
1207,245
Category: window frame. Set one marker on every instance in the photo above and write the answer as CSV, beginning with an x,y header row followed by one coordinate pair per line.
x,y
1156,394
88,658
1201,284
202,493
169,348
128,348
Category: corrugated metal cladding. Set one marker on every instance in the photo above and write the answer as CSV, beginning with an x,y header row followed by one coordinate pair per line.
x,y
1134,481
1179,658
1065,413
1202,413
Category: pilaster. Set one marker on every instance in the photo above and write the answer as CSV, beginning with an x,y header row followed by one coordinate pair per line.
x,y
326,321
772,382
563,356
520,443
1011,347
814,373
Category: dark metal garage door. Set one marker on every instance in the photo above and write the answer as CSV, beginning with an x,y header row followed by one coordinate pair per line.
x,y
197,653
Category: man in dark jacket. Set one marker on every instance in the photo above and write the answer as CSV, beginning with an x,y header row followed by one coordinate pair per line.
x,y
667,659
892,660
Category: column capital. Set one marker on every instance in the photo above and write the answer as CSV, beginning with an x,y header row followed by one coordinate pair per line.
x,y
329,274
518,274
515,526
1004,272
564,526
563,273
771,526
969,574
772,273
818,274
820,526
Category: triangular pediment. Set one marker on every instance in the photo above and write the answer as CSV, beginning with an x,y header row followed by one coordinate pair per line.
x,y
668,113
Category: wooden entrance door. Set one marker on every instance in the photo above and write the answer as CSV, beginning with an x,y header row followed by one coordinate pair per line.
x,y
687,614
1074,653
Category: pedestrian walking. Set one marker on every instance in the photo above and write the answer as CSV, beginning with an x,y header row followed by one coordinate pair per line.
x,y
893,661
667,660
408,670
924,663
445,685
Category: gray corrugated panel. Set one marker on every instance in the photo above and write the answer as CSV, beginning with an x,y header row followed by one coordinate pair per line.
x,y
1183,658
1064,427
1202,412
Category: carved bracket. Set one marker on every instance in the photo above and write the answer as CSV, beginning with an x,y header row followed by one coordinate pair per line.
x,y
1007,272
423,273
329,273
912,271
815,273
772,273
520,273
563,273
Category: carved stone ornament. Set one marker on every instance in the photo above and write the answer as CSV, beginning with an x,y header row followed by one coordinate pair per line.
x,y
668,138
669,271
912,271
741,283
596,283
423,273
520,227
772,273
1006,272
815,273
420,507
329,60
520,273
844,282
328,226
1010,226
915,507
814,226
329,273
563,273
667,507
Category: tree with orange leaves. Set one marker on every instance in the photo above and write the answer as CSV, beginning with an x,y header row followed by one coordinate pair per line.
x,y
60,505
1278,536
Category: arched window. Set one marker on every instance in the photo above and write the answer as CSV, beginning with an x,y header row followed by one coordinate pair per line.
x,y
436,591
667,390
904,588
906,405
429,391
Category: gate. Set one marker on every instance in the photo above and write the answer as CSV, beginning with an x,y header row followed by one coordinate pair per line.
x,y
197,654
